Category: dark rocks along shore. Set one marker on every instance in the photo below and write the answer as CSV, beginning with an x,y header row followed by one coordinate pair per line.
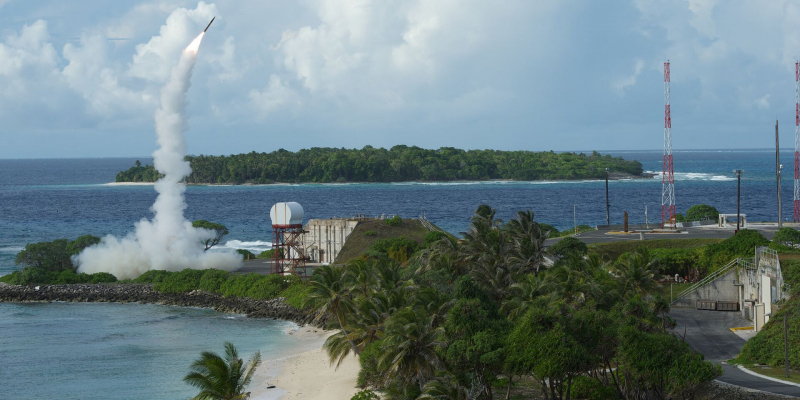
x,y
142,293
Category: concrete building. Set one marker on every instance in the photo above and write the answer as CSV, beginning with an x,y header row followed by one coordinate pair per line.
x,y
752,286
324,238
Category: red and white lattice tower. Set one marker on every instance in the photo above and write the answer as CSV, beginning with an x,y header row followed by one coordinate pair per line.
x,y
667,177
796,215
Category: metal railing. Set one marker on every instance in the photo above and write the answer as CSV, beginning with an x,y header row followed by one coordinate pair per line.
x,y
428,225
716,274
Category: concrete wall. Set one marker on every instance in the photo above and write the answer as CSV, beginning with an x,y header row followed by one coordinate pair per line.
x,y
721,289
324,238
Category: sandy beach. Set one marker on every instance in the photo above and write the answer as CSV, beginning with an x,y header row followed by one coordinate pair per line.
x,y
306,375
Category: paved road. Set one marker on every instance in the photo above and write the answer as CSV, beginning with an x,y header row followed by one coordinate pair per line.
x,y
686,233
708,332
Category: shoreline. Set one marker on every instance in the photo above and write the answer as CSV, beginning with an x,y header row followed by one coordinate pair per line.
x,y
290,373
615,177
307,375
144,294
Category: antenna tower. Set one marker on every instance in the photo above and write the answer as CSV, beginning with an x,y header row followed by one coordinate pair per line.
x,y
796,215
667,176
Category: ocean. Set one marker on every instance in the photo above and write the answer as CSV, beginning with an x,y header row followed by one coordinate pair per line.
x,y
142,351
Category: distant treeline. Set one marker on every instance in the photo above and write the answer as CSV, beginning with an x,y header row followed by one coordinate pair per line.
x,y
398,164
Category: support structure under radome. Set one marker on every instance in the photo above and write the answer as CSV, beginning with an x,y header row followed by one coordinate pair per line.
x,y
796,214
287,239
667,176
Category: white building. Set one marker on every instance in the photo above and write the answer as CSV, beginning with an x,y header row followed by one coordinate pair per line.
x,y
324,238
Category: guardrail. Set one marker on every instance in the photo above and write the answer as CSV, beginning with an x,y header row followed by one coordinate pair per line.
x,y
429,226
716,274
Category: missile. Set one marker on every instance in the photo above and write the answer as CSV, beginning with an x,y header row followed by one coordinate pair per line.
x,y
209,24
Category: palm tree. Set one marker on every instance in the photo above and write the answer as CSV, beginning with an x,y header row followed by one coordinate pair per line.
x,y
636,273
527,253
329,297
446,387
222,378
411,345
361,276
524,294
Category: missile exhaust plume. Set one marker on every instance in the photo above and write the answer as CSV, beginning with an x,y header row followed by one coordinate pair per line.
x,y
168,241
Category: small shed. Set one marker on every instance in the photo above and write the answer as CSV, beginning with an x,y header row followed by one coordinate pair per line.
x,y
724,220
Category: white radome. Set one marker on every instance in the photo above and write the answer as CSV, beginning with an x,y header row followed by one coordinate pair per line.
x,y
285,214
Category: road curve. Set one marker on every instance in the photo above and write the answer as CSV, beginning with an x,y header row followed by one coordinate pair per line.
x,y
709,333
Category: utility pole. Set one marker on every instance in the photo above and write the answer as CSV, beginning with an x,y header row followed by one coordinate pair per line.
x,y
778,167
608,205
575,217
738,173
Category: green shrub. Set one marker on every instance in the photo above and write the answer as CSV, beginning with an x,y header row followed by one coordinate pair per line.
x,y
742,244
180,282
787,236
370,233
266,253
394,221
611,251
212,280
43,276
246,254
701,211
678,261
584,387
296,294
365,395
257,286
568,245
101,277
433,237
370,375
152,276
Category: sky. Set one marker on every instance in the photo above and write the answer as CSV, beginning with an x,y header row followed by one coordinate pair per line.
x,y
82,78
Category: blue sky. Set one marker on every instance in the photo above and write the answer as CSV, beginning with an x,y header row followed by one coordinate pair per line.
x,y
81,78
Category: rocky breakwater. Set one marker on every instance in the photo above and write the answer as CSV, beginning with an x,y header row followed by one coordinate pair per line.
x,y
139,293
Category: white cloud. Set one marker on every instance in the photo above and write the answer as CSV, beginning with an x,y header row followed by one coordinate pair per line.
x,y
90,73
763,102
26,60
154,59
274,96
621,84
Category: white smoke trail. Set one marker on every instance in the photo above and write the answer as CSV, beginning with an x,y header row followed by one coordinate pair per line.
x,y
168,242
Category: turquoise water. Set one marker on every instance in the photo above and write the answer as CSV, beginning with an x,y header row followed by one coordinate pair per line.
x,y
102,351
122,351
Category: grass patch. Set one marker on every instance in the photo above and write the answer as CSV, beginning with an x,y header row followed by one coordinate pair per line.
x,y
367,233
611,251
775,372
677,288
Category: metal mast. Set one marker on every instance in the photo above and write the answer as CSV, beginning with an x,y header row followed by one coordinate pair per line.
x,y
667,176
796,215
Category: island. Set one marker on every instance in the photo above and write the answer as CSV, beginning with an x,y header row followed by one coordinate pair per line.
x,y
398,164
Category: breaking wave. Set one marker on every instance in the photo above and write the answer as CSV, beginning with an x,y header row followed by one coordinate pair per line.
x,y
695,176
255,246
11,249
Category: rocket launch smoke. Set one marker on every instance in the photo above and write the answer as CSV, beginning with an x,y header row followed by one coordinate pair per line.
x,y
168,242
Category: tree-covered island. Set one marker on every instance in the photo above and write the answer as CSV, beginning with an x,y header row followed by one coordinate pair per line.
x,y
398,164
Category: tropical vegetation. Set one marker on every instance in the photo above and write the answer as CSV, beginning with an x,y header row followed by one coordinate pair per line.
x,y
475,319
222,378
400,163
